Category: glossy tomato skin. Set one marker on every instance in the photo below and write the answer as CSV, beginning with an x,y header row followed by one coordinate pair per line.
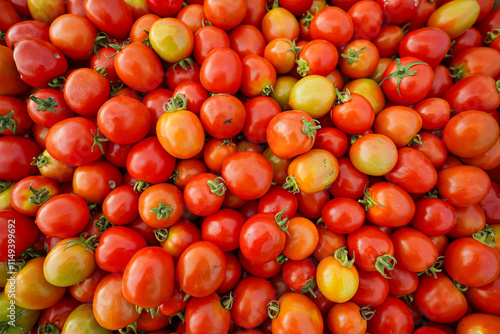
x,y
171,39
120,205
195,95
434,216
74,35
455,18
343,215
258,76
246,40
392,315
366,18
406,240
314,171
462,95
10,82
332,24
482,322
350,182
373,289
298,314
27,201
181,235
94,181
369,243
164,8
373,154
207,314
223,228
434,111
222,71
165,197
84,291
259,112
204,194
397,11
252,295
14,115
113,17
279,23
25,234
45,117
402,282
484,298
222,116
207,39
58,313
415,44
16,165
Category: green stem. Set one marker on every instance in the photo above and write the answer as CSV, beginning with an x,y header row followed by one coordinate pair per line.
x,y
39,196
368,200
282,221
103,224
342,256
342,97
140,186
178,102
161,234
366,312
309,128
486,236
183,63
47,328
492,35
401,72
408,299
57,82
382,263
227,301
7,122
162,211
273,309
352,56
311,283
4,185
97,141
281,258
435,268
217,186
291,184
461,287
302,67
88,244
181,315
132,328
101,41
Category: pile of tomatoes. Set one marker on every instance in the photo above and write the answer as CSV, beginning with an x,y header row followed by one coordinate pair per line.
x,y
249,166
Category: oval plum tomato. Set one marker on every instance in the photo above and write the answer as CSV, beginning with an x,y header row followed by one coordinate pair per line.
x,y
161,205
52,63
407,80
164,8
347,318
30,193
477,255
9,16
258,76
216,151
462,96
74,140
455,17
366,19
193,16
247,40
83,317
433,148
84,291
487,160
387,204
484,298
333,140
299,275
388,39
47,106
179,236
416,44
434,216
352,113
343,215
350,182
120,205
332,24
232,275
317,57
413,172
225,14
10,79
295,313
251,297
149,277
63,216
279,23
313,94
259,112
256,9
113,17
434,111
337,277
201,259
392,315
263,238
171,39
130,116
463,185
194,93
398,11
359,59
223,116
373,288
374,154
101,61
373,248
74,35
70,262
204,194
37,296
25,234
452,303
138,57
401,124
108,299
222,71
175,303
291,133
479,322
281,53
302,239
247,183
208,314
148,161
470,220
14,117
141,25
223,229
55,316
477,60
94,181
406,240
402,282
370,90
476,128
85,91
276,200
208,38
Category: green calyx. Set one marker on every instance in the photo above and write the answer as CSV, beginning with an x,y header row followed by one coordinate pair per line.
x,y
184,63
161,234
178,102
435,268
88,244
206,23
217,186
45,105
130,329
227,142
291,184
281,258
282,221
4,185
342,97
352,56
366,312
321,223
97,141
308,17
118,47
492,35
6,122
310,284
2,35
47,328
415,141
101,70
140,186
383,262
227,301
181,315
274,5
368,200
57,82
152,311
103,224
146,41
162,211
342,256
486,236
101,41
39,196
267,90
401,72
461,287
457,73
6,327
310,128
30,253
273,309
294,48
302,67
354,138
115,88
408,299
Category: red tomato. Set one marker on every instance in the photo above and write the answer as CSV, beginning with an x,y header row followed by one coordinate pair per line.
x,y
247,40
222,71
46,107
352,113
251,297
25,235
222,116
14,118
223,229
30,193
434,216
204,194
391,315
373,289
332,24
279,23
406,241
207,314
258,76
207,39
113,17
481,322
85,91
398,11
416,44
343,215
366,19
225,14
297,314
161,205
462,96
165,8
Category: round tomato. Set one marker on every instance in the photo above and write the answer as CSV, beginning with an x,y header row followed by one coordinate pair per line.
x,y
296,313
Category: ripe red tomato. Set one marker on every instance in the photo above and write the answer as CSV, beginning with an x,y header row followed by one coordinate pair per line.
x,y
222,116
251,297
206,39
391,315
113,17
416,44
332,24
204,194
25,234
352,113
463,185
398,11
297,314
222,71
14,118
406,241
30,193
161,205
343,215
207,314
462,96
225,14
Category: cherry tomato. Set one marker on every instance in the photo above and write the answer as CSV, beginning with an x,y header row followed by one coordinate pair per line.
x,y
297,314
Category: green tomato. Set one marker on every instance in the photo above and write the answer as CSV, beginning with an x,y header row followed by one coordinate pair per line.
x,y
15,319
82,321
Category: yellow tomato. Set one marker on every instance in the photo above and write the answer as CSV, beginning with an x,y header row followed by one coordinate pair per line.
x,y
46,11
313,94
455,17
337,277
5,190
282,89
171,39
370,90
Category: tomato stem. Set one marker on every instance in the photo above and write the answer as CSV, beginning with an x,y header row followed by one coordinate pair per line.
x,y
294,48
39,197
140,186
161,234
383,263
302,67
461,287
267,90
342,97
366,312
115,88
497,85
57,82
417,140
101,70
401,72
47,328
132,328
309,128
97,141
308,16
146,41
6,327
273,309
4,185
87,244
311,283
321,223
281,258
162,211
275,4
354,138
178,102
352,56
404,29
282,221
457,73
101,41
227,301
182,63
368,200
103,224
291,184
435,268
217,186
45,105
227,142
492,35
186,297
2,35
408,299
6,122
486,236
342,256
181,315
30,253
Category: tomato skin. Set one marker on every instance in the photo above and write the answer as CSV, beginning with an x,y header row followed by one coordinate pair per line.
x,y
83,317
303,241
433,148
479,322
434,216
415,44
399,123
193,16
165,193
251,294
23,199
373,154
373,289
350,182
120,205
225,14
26,234
406,240
171,39
21,121
164,8
113,17
84,291
94,181
263,270
58,313
222,71
279,23
207,314
258,76
398,11
194,93
208,38
455,18
314,170
354,116
108,299
180,236
46,118
343,215
369,243
10,79
366,18
463,185
332,24
434,111
484,297
298,314
336,282
192,265
66,29
476,60
85,91
223,116
392,315
223,229
402,282
199,197
465,255
259,112
388,39
9,16
333,140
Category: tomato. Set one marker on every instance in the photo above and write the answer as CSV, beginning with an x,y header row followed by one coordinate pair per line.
x,y
216,151
416,44
73,140
350,182
455,17
222,116
104,59
94,181
195,95
223,229
279,23
113,17
281,53
180,72
373,289
391,315
434,111
164,8
55,316
463,185
24,233
484,297
208,38
297,314
74,35
85,91
232,275
343,215
434,216
352,113
37,296
348,318
258,76
82,317
282,89
9,16
313,94
179,237
31,192
373,154
402,282
465,255
470,220
251,297
399,123
171,39
120,205
337,278
276,200
369,89
204,194
161,205
303,239
487,160
193,16
201,259
388,40
84,290
406,240
111,309
247,40
332,24
10,79
398,11
299,275
318,57
117,246
479,322
14,118
359,59
46,107
142,24
259,112
222,71
366,19
247,183
333,140
475,60
208,314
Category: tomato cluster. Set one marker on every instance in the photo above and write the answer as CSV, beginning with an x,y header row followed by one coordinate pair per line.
x,y
249,166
